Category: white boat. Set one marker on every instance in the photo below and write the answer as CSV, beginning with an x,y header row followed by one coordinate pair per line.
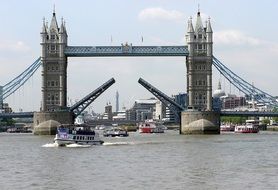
x,y
115,132
247,128
227,128
79,120
149,126
76,134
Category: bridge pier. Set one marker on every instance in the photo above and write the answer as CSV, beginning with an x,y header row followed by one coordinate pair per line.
x,y
200,122
46,123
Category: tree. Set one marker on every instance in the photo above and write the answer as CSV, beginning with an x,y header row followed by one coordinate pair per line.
x,y
234,120
266,121
275,119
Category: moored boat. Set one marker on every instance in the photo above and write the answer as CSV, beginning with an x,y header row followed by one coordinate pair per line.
x,y
247,128
150,126
115,132
227,128
76,134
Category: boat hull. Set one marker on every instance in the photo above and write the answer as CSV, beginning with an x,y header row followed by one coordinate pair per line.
x,y
150,130
64,142
246,129
76,135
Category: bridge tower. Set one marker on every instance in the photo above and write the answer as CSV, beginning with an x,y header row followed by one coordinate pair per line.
x,y
54,78
54,66
199,118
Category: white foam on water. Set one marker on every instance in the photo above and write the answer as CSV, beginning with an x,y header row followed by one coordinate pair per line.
x,y
50,145
78,146
117,143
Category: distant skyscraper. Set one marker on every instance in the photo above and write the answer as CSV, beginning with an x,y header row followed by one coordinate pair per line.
x,y
117,101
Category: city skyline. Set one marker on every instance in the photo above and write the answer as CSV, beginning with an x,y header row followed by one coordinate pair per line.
x,y
244,40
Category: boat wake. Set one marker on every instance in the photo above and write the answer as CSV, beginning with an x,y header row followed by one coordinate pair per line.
x,y
54,145
78,146
50,145
117,143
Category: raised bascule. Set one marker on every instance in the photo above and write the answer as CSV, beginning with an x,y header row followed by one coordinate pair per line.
x,y
197,118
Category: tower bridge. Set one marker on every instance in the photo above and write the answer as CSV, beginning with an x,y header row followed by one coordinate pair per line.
x,y
55,51
198,117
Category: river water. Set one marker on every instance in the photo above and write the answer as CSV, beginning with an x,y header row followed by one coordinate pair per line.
x,y
142,161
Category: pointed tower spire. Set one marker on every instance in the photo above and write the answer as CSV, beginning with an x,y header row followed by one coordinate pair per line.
x,y
199,24
53,23
190,26
62,28
54,10
209,29
65,28
44,27
219,85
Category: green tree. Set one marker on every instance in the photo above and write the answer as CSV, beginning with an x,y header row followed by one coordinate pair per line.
x,y
234,120
266,121
275,119
8,122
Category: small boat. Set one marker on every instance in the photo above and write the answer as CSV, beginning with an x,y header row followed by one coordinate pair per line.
x,y
149,126
227,128
247,128
76,134
19,130
115,132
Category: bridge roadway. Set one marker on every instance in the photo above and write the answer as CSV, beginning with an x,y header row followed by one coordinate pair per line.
x,y
222,113
17,115
125,50
249,113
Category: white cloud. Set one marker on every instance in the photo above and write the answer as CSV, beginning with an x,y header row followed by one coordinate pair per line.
x,y
235,37
18,46
158,13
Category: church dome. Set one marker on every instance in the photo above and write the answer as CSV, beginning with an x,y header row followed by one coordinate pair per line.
x,y
219,92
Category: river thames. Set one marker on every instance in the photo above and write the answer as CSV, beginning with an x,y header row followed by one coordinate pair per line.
x,y
142,161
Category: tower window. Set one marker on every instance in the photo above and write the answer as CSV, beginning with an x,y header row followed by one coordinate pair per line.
x,y
52,37
200,36
53,47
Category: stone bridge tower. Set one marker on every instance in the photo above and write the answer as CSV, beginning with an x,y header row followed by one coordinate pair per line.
x,y
199,65
199,118
54,66
54,79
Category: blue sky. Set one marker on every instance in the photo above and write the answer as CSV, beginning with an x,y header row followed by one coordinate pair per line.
x,y
245,39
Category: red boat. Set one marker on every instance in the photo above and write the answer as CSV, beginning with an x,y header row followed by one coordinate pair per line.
x,y
251,126
151,127
248,128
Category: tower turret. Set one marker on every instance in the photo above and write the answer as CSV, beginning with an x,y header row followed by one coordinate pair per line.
x,y
209,38
190,35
